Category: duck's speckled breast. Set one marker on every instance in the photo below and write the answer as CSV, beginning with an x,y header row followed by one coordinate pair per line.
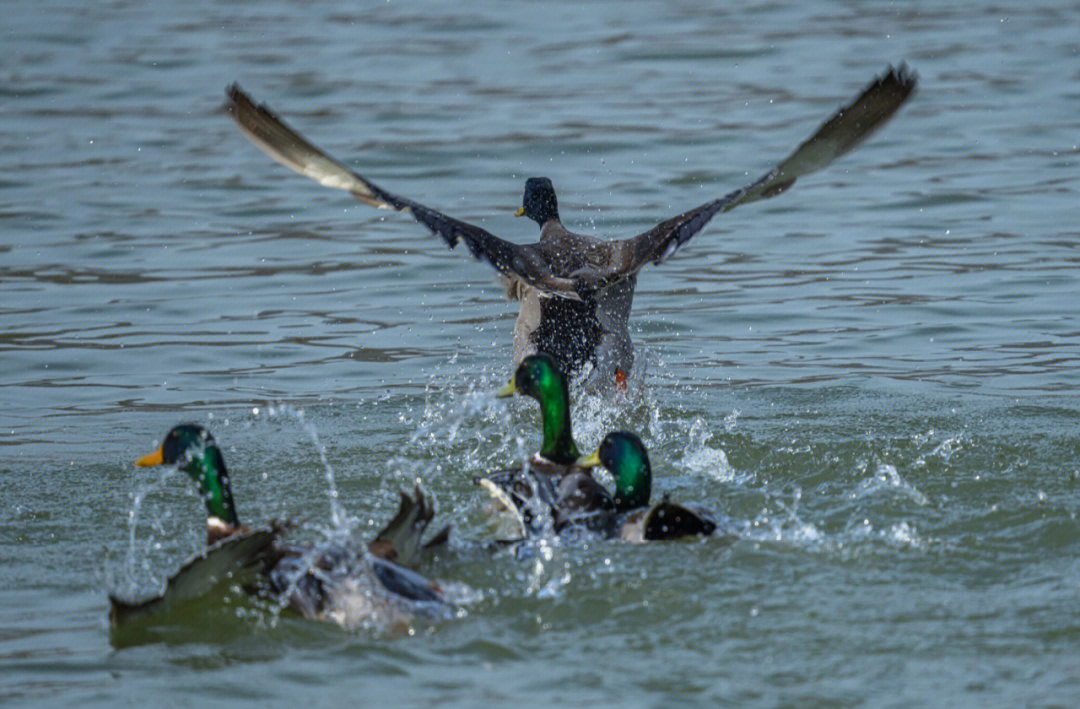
x,y
590,331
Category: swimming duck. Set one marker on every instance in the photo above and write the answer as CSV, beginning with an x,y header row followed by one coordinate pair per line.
x,y
576,291
624,455
318,583
563,484
551,474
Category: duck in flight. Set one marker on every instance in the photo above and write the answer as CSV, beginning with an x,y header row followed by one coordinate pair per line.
x,y
575,290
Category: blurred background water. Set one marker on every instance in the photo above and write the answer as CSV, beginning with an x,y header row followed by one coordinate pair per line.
x,y
876,372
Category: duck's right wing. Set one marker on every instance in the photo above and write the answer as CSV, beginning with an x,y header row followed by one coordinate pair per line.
x,y
291,149
402,539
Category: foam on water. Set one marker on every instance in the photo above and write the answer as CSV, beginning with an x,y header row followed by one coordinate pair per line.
x,y
702,459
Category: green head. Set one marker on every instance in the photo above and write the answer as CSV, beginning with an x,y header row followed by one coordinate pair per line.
x,y
625,456
539,376
191,448
539,203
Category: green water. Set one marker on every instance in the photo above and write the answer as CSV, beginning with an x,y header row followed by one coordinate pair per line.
x,y
875,375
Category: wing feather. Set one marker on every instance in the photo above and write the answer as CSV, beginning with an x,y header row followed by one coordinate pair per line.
x,y
848,127
288,147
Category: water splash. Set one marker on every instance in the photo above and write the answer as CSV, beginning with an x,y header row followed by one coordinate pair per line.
x,y
338,558
903,534
549,573
338,517
944,451
784,526
702,459
887,479
147,562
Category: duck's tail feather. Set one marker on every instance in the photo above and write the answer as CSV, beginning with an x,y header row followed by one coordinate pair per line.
x,y
669,520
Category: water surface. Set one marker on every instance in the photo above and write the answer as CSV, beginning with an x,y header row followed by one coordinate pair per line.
x,y
876,373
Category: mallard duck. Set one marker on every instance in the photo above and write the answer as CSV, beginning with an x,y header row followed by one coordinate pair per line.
x,y
624,455
551,474
563,485
576,291
318,583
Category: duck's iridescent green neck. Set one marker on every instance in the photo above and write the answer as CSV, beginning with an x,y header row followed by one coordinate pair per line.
x,y
539,376
558,445
209,471
191,448
626,458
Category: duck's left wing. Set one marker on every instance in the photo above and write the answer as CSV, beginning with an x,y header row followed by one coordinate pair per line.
x,y
842,132
291,149
231,560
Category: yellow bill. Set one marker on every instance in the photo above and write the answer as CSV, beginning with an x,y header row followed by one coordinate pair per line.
x,y
151,459
589,461
509,390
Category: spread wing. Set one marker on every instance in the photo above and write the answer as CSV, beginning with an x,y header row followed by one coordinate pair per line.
x,y
846,129
233,559
288,147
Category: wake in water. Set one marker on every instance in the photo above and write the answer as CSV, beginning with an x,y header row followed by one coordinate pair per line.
x,y
764,511
457,429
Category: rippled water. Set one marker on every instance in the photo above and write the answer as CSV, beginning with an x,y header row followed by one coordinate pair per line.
x,y
876,373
